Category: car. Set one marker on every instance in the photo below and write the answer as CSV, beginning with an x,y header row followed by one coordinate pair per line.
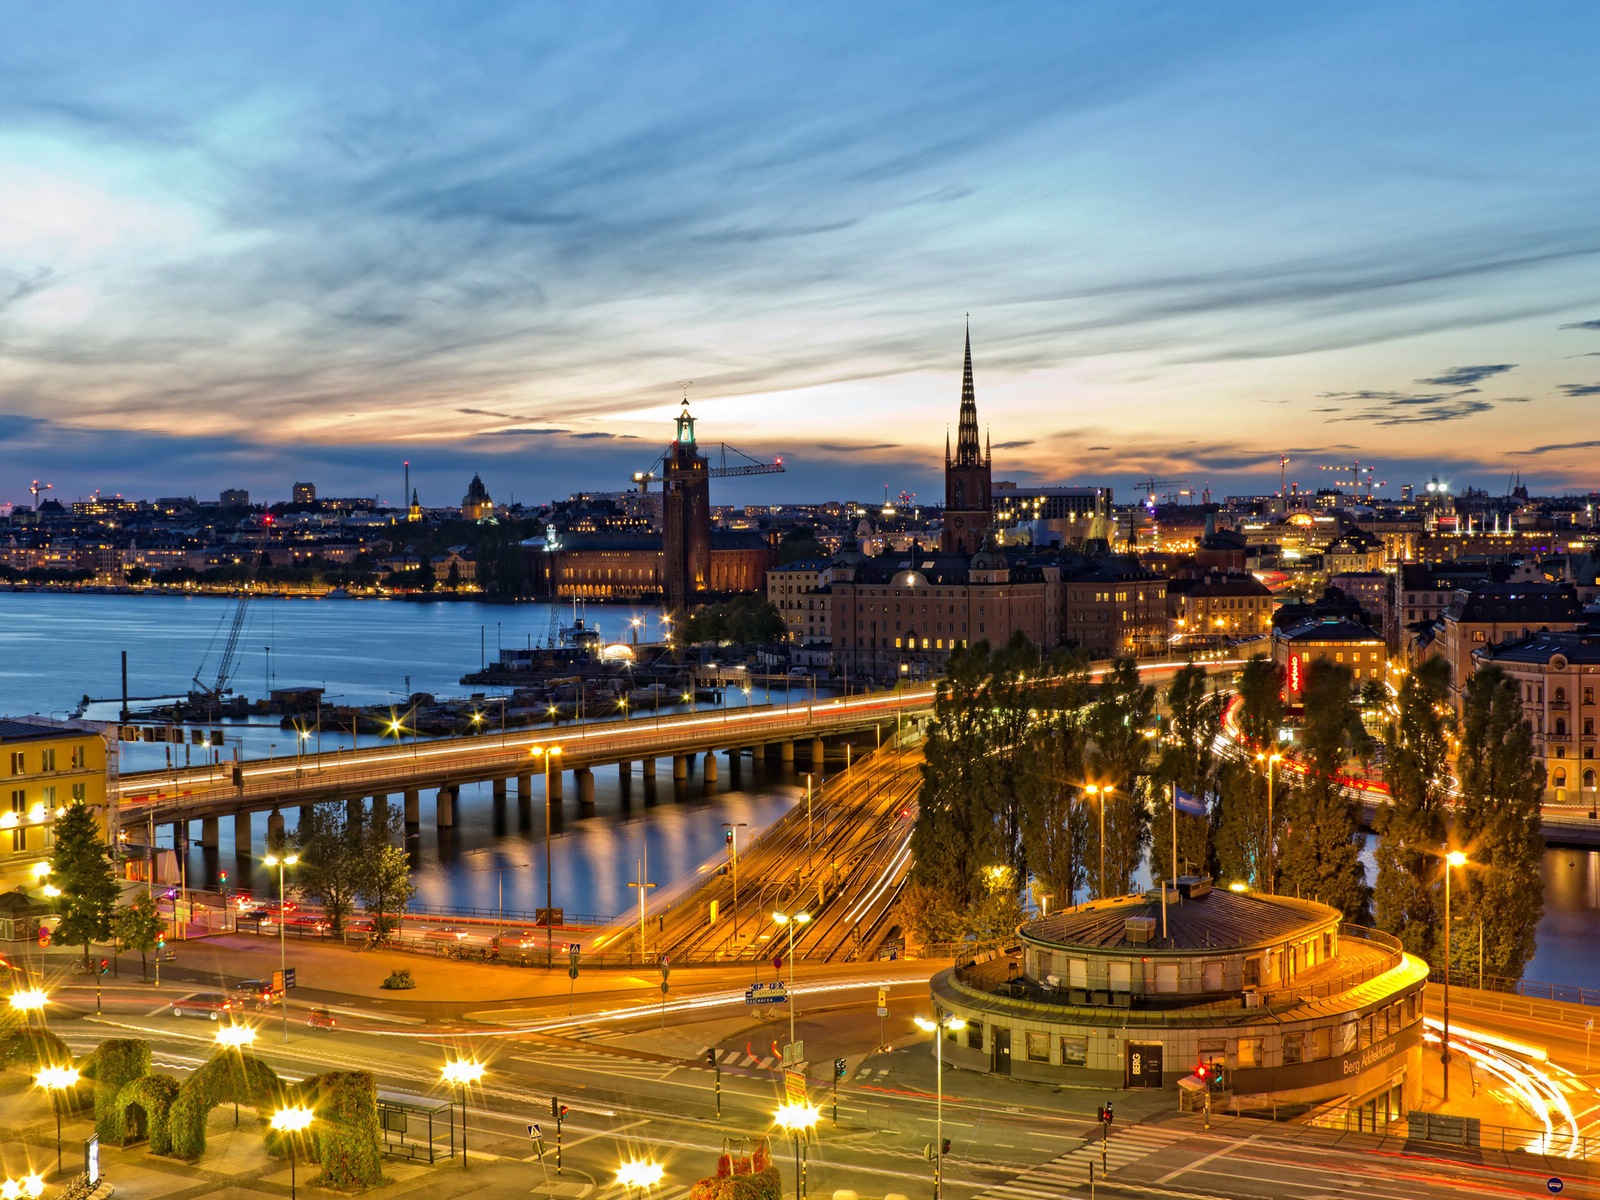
x,y
307,924
321,1018
205,1004
257,993
528,939
363,925
446,933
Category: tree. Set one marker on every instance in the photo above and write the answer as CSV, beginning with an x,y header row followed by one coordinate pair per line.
x,y
1261,703
1320,854
334,849
1118,721
1055,820
1188,761
1241,824
137,926
1411,830
386,886
1498,824
81,869
452,578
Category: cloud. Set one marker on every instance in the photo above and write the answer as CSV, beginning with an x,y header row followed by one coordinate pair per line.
x,y
1013,445
528,432
484,412
842,448
1595,324
1467,376
1581,389
1092,448
1555,446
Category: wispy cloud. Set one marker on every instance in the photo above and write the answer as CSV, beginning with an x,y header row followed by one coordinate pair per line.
x,y
1581,389
1557,446
1595,324
1468,376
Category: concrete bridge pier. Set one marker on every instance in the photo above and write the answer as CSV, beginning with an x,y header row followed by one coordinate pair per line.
x,y
816,753
413,801
380,810
647,769
585,780
524,787
208,832
241,833
274,828
444,812
556,788
786,752
498,790
711,766
680,766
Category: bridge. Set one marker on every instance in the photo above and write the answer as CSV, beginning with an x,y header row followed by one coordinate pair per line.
x,y
443,765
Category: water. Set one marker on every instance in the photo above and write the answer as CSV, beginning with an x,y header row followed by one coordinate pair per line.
x,y
55,649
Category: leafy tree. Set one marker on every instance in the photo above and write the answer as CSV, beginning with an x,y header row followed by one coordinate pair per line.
x,y
1411,830
452,578
137,926
1189,761
1502,787
1241,827
334,850
1261,703
1319,856
81,869
1118,721
427,577
1055,815
386,886
744,620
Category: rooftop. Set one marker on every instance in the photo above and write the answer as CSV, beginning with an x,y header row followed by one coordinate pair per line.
x,y
1218,921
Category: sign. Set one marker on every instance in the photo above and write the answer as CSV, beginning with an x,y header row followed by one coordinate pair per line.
x,y
883,998
766,993
1142,1068
549,916
794,1052
44,935
794,1087
1554,1184
277,981
288,977
91,1160
882,1011
1295,680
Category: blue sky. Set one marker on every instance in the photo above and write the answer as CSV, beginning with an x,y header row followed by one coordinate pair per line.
x,y
244,245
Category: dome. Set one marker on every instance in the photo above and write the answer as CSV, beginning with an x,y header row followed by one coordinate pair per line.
x,y
910,579
989,559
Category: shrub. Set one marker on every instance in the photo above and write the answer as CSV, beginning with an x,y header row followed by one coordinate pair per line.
x,y
228,1075
399,980
154,1095
113,1066
345,1136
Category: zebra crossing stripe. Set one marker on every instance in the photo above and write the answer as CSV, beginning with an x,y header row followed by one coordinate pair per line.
x,y
1072,1168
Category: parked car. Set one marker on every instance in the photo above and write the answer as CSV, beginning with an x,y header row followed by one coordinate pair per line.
x,y
260,916
307,924
321,1018
205,1004
446,933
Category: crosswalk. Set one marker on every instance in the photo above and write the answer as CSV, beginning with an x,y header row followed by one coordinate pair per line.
x,y
735,1058
1071,1170
667,1192
595,1061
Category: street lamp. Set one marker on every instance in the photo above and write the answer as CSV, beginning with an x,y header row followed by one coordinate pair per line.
x,y
236,1037
636,1172
1102,795
29,1000
1452,858
282,862
30,1186
462,1073
731,839
797,1120
57,1080
546,753
1270,760
784,919
937,1028
290,1121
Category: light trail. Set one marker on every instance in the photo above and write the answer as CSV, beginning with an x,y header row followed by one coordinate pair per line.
x,y
1534,1087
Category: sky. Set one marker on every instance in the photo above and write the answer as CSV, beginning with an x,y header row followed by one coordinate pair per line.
x,y
246,245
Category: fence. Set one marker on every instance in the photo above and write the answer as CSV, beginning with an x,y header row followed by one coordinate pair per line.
x,y
1442,1129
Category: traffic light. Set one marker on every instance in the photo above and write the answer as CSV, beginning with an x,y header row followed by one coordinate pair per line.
x,y
727,837
161,941
558,1110
105,966
223,877
838,1068
711,1057
1218,1079
944,1147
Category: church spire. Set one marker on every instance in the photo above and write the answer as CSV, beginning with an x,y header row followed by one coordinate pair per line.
x,y
968,453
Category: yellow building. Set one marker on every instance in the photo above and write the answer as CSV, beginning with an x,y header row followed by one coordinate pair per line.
x,y
44,766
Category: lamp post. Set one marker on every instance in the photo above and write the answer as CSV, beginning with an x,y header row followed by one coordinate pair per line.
x,y
732,839
30,1186
789,922
1452,858
1101,795
290,1121
282,862
57,1080
1270,760
797,1120
546,753
937,1028
641,1173
236,1037
462,1073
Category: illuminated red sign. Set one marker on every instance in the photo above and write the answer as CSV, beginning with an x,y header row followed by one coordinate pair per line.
x,y
1294,673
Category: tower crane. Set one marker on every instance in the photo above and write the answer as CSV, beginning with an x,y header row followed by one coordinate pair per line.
x,y
1151,485
37,490
723,469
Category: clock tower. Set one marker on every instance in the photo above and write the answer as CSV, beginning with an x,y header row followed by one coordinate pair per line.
x,y
967,506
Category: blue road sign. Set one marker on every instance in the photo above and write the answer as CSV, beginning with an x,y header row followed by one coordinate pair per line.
x,y
1554,1184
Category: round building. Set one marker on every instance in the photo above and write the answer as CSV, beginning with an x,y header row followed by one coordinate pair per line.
x,y
1290,1002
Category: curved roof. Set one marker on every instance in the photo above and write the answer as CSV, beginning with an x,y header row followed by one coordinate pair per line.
x,y
1221,920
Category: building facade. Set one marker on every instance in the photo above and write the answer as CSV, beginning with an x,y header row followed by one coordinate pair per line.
x,y
1330,639
477,505
1498,612
1558,676
44,766
797,591
1218,605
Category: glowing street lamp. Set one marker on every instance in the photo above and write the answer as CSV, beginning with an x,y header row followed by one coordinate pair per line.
x,y
57,1080
462,1073
1270,760
236,1037
30,1186
639,1173
784,919
1102,795
797,1120
547,753
937,1028
1452,858
29,1000
282,862
290,1121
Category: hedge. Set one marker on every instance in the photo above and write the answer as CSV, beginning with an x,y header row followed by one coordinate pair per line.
x,y
226,1075
154,1095
345,1137
113,1066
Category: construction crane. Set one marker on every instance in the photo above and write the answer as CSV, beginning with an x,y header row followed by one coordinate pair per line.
x,y
37,490
1354,471
1151,485
1283,485
211,694
723,470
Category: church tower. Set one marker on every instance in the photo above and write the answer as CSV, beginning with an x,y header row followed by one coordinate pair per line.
x,y
967,506
685,518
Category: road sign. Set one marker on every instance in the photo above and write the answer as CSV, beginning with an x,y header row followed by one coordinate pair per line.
x,y
794,1087
794,1052
44,935
883,999
288,977
766,993
1554,1184
882,1011
277,981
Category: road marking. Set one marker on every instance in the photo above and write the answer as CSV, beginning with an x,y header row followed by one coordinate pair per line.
x,y
1200,1162
569,1143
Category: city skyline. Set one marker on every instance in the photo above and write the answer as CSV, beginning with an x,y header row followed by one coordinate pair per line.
x,y
1188,243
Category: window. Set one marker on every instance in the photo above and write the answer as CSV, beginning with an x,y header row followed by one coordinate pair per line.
x,y
1317,1044
1588,778
1211,976
1250,1052
80,793
1121,976
1294,1047
1077,972
1252,972
1347,1037
975,1036
1038,1047
1588,695
1477,635
1166,977
1074,1051
17,759
1558,777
